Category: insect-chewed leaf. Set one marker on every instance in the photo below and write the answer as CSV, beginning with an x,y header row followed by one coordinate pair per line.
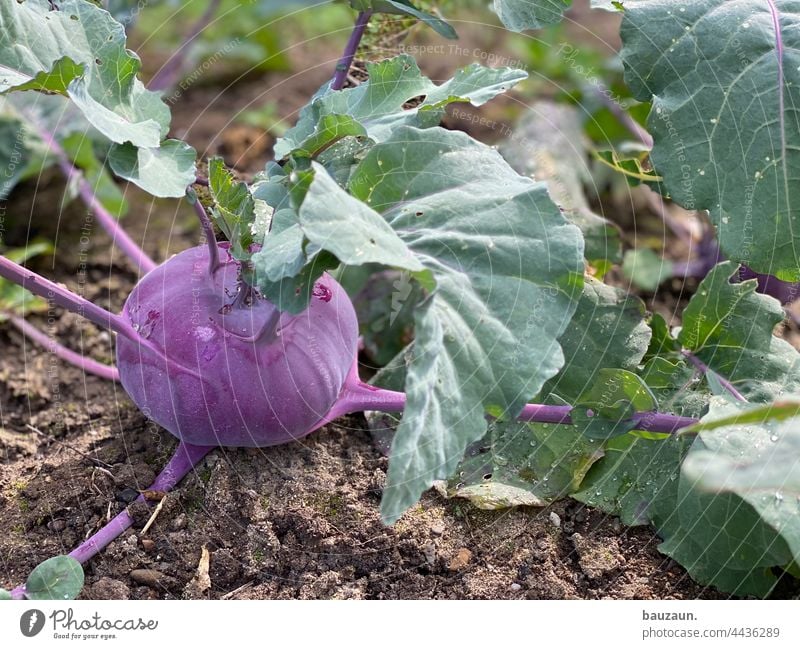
x,y
56,578
519,463
717,148
378,103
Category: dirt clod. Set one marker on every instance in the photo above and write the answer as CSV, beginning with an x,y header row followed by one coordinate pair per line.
x,y
596,558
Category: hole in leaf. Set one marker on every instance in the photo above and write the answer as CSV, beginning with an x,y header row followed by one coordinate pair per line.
x,y
414,102
487,476
98,61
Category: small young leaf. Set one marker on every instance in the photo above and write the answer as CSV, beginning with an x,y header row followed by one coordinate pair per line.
x,y
56,578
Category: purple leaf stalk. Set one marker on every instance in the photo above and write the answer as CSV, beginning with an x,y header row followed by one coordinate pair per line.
x,y
118,235
343,66
78,360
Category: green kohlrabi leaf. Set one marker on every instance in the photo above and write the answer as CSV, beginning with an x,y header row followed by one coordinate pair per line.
x,y
758,461
518,463
519,15
607,331
722,539
238,214
57,578
164,171
724,81
79,50
377,104
487,335
637,479
502,272
730,328
549,144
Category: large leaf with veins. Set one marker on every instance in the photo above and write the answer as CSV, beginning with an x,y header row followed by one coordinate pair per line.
x,y
724,80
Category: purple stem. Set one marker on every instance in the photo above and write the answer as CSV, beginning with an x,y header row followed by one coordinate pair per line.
x,y
343,66
211,239
65,298
357,396
184,459
784,292
118,235
169,72
725,383
78,360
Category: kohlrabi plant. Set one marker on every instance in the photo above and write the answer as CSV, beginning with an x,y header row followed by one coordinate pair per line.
x,y
524,377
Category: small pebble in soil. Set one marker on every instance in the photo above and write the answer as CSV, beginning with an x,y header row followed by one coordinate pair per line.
x,y
555,519
147,577
462,558
516,587
437,528
148,545
57,525
127,495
